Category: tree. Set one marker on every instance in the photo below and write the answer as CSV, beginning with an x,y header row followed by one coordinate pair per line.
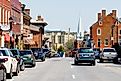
x,y
69,44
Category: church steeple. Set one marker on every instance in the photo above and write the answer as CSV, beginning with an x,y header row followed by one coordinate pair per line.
x,y
79,30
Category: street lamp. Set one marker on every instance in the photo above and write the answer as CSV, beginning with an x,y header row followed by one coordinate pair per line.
x,y
11,21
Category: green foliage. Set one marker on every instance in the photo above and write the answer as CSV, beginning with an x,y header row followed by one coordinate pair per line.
x,y
61,48
69,44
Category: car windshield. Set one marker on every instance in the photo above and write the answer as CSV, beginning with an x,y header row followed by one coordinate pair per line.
x,y
14,52
25,53
109,50
85,50
4,52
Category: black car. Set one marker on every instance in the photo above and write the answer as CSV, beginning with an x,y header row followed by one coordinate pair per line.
x,y
2,70
47,52
35,52
19,58
41,54
85,55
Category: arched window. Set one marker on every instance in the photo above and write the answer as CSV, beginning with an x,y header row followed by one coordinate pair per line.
x,y
98,31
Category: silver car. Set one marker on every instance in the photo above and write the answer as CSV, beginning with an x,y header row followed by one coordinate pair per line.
x,y
108,54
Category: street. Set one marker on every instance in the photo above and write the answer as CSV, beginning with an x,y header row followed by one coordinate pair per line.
x,y
63,69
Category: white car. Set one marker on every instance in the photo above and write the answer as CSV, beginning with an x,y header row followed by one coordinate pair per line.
x,y
11,64
108,54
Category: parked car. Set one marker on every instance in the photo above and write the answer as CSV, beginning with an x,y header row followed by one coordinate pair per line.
x,y
35,52
108,54
28,57
47,52
2,70
85,55
11,64
41,54
56,55
19,58
97,52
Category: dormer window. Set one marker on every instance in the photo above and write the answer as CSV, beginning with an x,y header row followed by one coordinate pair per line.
x,y
98,31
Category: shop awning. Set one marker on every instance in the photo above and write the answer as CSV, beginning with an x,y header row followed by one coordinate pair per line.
x,y
7,38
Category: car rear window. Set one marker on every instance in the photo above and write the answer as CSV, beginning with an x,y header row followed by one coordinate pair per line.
x,y
14,52
25,53
4,52
109,50
85,50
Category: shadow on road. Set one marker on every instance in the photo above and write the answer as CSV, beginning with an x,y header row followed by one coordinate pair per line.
x,y
105,62
81,64
28,66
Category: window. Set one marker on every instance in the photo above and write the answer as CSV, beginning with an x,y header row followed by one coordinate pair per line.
x,y
59,39
120,32
98,31
106,42
99,42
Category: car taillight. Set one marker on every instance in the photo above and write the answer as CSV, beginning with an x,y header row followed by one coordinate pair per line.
x,y
5,59
17,59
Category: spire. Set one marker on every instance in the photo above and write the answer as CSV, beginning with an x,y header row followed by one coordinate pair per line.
x,y
79,30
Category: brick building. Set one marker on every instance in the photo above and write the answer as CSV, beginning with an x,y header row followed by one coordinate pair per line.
x,y
38,37
106,31
9,8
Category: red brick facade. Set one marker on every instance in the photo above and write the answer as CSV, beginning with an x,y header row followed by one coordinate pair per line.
x,y
106,31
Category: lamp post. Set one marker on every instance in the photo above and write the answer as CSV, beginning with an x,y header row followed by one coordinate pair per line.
x,y
11,21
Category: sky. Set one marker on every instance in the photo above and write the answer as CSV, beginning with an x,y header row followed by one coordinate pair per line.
x,y
65,14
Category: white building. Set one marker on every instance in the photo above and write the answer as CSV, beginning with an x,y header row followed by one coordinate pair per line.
x,y
58,38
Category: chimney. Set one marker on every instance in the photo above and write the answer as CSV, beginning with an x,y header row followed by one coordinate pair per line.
x,y
27,11
99,16
103,13
114,13
39,18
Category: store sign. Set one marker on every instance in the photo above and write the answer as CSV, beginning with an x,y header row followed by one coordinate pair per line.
x,y
4,27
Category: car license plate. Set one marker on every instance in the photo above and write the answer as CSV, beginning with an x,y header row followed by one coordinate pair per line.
x,y
85,55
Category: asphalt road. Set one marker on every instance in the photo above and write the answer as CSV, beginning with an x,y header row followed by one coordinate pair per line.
x,y
63,69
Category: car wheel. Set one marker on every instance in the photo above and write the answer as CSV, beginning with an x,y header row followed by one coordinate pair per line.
x,y
22,68
33,64
115,60
93,63
17,70
9,75
101,60
4,75
43,59
75,62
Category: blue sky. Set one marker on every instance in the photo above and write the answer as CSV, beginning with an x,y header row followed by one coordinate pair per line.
x,y
64,14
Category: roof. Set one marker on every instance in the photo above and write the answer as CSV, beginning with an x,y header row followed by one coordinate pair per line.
x,y
39,22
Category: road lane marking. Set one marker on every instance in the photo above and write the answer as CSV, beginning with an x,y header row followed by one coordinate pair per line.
x,y
73,76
